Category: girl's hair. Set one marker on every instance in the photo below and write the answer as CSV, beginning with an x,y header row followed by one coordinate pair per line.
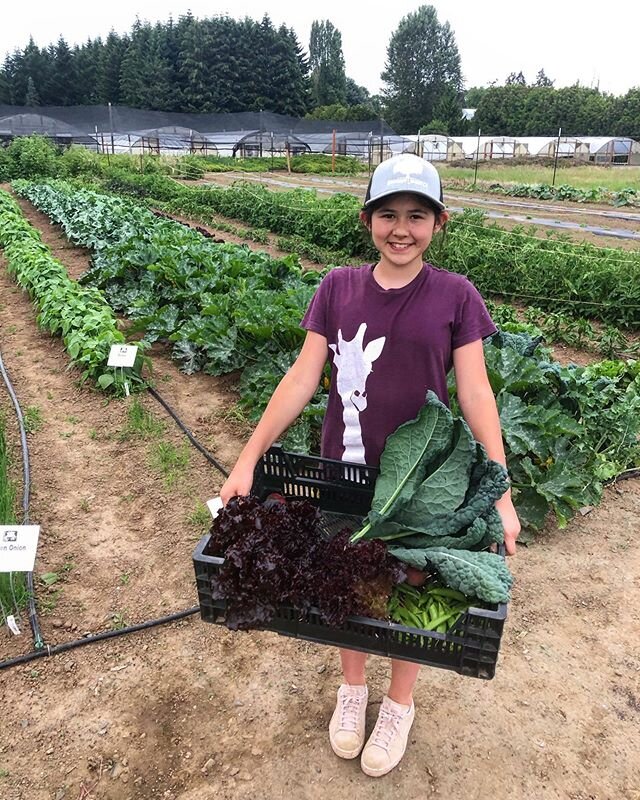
x,y
368,210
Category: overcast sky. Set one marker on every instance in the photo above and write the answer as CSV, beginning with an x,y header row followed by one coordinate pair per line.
x,y
570,41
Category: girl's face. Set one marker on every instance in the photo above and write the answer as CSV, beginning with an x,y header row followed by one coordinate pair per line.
x,y
402,228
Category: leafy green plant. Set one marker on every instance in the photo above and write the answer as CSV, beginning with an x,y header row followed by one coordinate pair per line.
x,y
434,503
80,315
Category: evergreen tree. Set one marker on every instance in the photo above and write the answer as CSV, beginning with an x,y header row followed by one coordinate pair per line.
x,y
355,95
17,77
136,77
197,77
295,94
5,86
110,67
86,60
422,61
32,98
163,92
61,86
328,79
448,110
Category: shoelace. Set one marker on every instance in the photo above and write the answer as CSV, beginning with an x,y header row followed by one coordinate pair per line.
x,y
386,728
349,712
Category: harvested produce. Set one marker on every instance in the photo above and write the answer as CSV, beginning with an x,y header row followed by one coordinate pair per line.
x,y
434,502
275,554
430,608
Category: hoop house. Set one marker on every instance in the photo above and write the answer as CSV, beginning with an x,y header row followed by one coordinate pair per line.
x,y
612,149
546,146
486,148
267,144
55,130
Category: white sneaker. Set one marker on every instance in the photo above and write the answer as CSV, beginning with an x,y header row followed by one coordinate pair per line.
x,y
346,729
387,743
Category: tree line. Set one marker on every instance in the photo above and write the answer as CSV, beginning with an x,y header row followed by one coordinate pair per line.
x,y
209,65
225,65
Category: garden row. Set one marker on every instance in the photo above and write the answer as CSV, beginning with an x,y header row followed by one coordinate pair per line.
x,y
79,314
562,192
35,156
225,308
222,307
552,273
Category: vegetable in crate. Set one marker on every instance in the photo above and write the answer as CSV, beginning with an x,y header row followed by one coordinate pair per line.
x,y
276,554
430,608
434,503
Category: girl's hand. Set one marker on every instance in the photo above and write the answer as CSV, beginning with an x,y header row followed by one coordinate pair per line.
x,y
239,482
510,523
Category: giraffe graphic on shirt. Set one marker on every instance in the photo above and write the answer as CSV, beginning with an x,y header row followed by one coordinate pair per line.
x,y
354,363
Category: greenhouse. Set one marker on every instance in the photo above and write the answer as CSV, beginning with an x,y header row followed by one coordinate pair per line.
x,y
259,143
546,147
612,150
16,125
485,148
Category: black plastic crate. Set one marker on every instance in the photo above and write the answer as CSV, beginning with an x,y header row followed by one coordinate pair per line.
x,y
344,493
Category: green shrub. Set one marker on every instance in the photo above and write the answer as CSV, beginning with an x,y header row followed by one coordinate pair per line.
x,y
77,160
33,156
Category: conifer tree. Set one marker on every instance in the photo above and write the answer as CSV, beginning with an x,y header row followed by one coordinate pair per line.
x,y
32,98
328,79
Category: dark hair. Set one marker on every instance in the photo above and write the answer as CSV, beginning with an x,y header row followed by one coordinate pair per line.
x,y
368,210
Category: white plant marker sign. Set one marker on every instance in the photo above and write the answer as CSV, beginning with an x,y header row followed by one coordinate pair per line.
x,y
18,545
123,356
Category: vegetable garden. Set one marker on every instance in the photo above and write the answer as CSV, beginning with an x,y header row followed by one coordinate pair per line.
x,y
217,326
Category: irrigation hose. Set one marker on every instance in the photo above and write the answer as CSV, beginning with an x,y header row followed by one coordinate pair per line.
x,y
187,432
98,637
41,650
38,641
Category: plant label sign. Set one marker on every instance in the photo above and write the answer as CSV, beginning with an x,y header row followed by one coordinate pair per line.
x,y
122,355
18,545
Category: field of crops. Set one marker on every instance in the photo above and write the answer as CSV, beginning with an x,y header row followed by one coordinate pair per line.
x,y
190,710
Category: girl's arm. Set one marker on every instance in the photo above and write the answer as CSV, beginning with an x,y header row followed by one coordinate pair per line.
x,y
479,409
291,395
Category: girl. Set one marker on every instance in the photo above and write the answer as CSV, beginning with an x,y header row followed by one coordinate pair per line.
x,y
391,331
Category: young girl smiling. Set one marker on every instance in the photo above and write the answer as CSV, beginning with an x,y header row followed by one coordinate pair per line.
x,y
391,331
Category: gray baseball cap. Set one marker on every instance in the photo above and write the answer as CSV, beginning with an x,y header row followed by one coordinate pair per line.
x,y
405,173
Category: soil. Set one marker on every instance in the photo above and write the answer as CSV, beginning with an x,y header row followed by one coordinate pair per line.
x,y
191,711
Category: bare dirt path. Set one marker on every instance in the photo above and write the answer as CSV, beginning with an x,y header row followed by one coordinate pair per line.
x,y
191,711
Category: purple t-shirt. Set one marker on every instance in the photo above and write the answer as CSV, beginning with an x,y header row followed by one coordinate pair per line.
x,y
387,348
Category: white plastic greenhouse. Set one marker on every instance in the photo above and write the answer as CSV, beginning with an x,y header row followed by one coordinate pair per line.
x,y
487,147
545,147
612,150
